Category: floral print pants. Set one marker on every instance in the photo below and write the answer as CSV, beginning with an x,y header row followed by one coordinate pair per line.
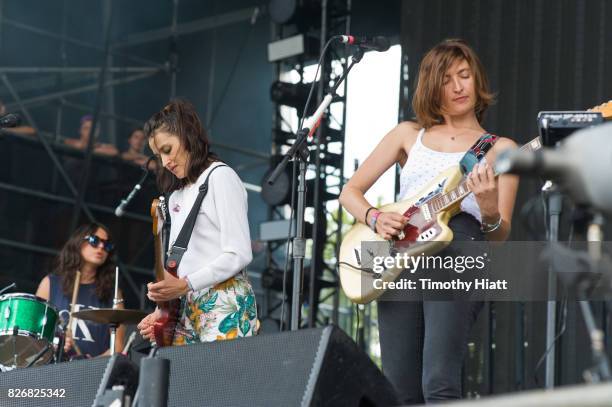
x,y
224,311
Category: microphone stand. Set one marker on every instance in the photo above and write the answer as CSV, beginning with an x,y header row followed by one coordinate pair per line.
x,y
555,208
299,151
600,371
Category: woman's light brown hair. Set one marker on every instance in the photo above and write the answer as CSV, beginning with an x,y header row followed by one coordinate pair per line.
x,y
427,99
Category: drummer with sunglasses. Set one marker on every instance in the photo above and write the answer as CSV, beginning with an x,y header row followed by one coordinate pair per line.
x,y
88,250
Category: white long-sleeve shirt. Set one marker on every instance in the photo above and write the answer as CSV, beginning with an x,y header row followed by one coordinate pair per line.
x,y
220,245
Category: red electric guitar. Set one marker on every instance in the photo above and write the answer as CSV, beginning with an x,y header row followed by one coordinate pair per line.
x,y
163,328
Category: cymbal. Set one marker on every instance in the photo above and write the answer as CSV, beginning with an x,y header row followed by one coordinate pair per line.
x,y
111,316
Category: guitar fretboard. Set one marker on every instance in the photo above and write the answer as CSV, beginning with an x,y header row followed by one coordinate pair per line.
x,y
441,202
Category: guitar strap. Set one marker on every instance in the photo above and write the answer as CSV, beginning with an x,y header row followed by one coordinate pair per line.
x,y
166,228
179,247
477,152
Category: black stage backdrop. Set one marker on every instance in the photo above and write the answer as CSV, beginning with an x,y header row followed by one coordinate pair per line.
x,y
539,55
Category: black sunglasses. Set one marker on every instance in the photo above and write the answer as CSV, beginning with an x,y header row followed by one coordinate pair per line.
x,y
94,241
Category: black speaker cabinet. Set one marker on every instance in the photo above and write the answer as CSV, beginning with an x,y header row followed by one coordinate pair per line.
x,y
314,367
65,384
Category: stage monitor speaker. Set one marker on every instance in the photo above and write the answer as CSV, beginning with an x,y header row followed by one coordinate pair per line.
x,y
64,384
313,367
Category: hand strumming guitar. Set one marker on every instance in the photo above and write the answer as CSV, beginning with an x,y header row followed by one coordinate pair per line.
x,y
390,224
146,325
167,289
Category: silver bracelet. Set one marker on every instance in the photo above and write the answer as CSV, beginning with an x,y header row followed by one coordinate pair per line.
x,y
490,227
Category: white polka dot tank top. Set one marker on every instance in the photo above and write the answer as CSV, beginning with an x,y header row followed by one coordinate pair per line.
x,y
423,166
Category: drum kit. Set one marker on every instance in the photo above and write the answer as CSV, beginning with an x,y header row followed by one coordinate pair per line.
x,y
30,329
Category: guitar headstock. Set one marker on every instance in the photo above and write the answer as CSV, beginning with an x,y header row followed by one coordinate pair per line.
x,y
533,145
605,109
158,214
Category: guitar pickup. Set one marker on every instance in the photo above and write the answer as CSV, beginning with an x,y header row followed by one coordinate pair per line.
x,y
426,212
427,235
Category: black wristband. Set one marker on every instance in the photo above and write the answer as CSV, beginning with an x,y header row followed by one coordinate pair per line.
x,y
366,215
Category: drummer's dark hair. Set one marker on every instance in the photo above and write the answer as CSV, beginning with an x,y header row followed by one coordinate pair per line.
x,y
69,261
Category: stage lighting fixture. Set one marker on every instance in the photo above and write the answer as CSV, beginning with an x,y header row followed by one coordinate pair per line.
x,y
304,14
304,46
282,11
279,193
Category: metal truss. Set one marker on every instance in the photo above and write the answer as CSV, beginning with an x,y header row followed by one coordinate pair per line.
x,y
103,81
329,175
323,283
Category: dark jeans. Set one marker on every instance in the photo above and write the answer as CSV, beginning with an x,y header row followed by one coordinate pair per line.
x,y
423,344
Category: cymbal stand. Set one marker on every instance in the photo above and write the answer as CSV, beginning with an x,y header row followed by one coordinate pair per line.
x,y
116,301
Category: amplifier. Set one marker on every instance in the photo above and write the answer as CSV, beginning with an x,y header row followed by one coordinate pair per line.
x,y
555,126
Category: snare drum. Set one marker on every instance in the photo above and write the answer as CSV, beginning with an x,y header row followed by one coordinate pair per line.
x,y
27,326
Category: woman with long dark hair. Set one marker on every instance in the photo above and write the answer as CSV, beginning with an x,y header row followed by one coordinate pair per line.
x,y
423,343
88,250
217,300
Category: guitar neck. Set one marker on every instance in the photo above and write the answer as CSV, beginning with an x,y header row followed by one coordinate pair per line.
x,y
157,217
444,201
159,262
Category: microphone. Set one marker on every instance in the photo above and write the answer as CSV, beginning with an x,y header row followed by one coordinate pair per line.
x,y
581,165
120,210
549,163
10,120
378,43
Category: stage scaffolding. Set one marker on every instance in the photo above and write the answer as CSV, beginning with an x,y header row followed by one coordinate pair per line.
x,y
107,76
324,302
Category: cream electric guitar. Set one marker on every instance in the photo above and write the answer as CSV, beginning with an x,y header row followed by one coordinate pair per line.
x,y
427,232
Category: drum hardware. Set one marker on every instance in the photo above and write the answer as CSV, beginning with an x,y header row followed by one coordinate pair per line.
x,y
129,343
61,339
112,316
75,294
39,355
8,287
116,302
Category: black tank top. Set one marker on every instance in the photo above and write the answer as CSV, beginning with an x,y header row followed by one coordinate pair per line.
x,y
92,338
